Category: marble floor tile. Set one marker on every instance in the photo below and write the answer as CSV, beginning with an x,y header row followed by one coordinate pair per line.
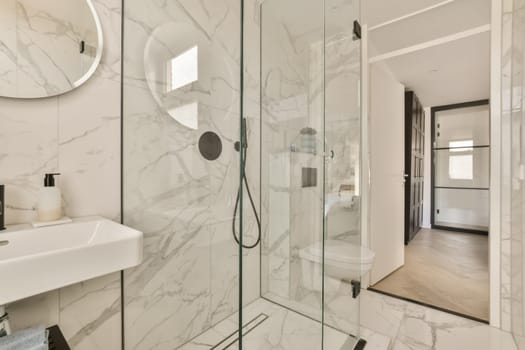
x,y
391,324
415,327
374,340
283,329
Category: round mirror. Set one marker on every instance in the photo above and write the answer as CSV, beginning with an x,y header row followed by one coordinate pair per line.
x,y
186,70
47,47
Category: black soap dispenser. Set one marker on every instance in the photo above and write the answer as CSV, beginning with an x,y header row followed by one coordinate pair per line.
x,y
2,207
49,206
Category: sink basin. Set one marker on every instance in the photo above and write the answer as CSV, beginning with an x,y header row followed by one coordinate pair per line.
x,y
37,260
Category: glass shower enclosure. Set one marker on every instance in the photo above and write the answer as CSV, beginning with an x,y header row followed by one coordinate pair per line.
x,y
241,165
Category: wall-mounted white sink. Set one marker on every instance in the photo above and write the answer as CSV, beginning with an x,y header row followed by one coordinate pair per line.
x,y
37,260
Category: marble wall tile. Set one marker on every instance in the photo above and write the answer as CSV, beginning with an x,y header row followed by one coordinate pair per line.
x,y
89,157
512,245
168,298
35,311
29,138
506,166
89,149
90,313
184,203
77,134
8,44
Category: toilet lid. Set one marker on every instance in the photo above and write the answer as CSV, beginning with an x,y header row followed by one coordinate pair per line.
x,y
340,251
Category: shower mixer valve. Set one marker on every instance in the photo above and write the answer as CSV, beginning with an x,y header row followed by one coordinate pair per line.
x,y
237,145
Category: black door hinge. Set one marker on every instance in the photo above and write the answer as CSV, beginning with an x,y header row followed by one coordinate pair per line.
x,y
356,288
357,30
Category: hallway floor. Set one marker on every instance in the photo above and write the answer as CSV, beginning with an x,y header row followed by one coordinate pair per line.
x,y
446,269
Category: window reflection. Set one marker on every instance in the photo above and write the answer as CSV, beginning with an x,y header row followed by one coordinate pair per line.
x,y
183,69
461,146
186,114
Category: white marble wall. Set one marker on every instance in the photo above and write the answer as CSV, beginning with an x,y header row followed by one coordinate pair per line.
x,y
506,167
184,204
513,206
77,134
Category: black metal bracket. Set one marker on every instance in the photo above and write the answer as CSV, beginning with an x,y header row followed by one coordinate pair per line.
x,y
57,340
357,30
356,288
360,344
4,318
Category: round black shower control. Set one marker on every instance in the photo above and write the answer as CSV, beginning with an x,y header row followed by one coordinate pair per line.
x,y
210,145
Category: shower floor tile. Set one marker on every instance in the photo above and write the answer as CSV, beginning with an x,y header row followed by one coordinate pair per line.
x,y
386,324
282,329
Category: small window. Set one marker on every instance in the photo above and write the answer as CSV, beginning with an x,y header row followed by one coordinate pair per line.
x,y
460,167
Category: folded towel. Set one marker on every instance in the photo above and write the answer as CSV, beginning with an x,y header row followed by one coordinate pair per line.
x,y
34,338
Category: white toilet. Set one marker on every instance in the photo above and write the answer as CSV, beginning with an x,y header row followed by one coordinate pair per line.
x,y
344,261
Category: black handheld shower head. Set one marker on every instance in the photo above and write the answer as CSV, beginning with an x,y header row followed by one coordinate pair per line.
x,y
244,181
237,144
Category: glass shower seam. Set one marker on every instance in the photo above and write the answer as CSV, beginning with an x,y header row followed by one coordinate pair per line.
x,y
242,150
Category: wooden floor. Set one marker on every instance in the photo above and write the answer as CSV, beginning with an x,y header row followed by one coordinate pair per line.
x,y
446,269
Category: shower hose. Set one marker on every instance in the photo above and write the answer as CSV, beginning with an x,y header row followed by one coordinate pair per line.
x,y
245,182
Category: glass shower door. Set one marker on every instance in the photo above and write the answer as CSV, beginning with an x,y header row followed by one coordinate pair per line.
x,y
181,173
292,144
310,71
342,129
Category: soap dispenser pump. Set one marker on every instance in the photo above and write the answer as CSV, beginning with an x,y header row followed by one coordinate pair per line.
x,y
49,206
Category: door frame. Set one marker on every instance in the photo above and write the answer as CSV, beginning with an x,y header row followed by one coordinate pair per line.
x,y
433,111
495,165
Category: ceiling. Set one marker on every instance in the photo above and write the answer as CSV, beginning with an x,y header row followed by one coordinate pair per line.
x,y
452,72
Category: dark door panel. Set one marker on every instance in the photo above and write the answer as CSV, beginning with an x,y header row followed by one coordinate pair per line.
x,y
414,162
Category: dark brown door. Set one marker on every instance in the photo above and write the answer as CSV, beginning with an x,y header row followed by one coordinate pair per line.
x,y
414,164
